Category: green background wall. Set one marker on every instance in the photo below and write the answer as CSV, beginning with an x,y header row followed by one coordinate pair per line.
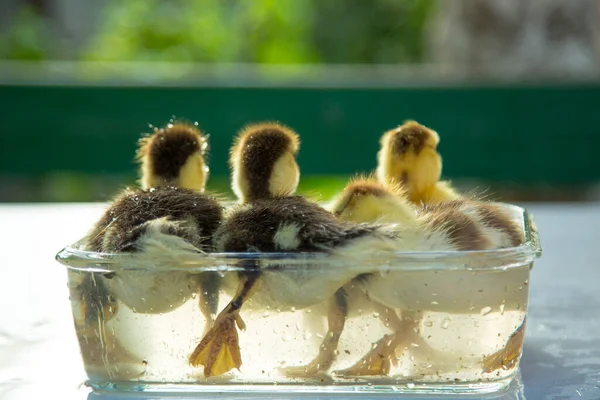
x,y
517,134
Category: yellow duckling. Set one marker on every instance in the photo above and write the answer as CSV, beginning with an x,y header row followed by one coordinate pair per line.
x,y
408,157
454,225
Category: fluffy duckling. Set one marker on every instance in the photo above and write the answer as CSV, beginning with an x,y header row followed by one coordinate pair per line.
x,y
408,157
265,175
454,225
155,223
161,226
175,156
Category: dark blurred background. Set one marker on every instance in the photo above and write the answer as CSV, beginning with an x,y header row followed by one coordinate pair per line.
x,y
511,86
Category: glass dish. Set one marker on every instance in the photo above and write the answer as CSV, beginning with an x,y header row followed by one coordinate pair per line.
x,y
462,319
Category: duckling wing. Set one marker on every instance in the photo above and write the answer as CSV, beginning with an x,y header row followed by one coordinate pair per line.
x,y
126,218
288,224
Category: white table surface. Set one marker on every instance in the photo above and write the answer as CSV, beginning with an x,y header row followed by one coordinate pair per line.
x,y
39,356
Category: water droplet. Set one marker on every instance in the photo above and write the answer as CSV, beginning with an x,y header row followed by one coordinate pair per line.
x,y
196,123
414,345
426,365
502,307
445,323
293,309
266,314
435,303
428,323
376,315
486,310
309,311
410,385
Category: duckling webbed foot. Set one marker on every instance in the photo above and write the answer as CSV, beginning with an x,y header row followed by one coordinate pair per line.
x,y
319,365
509,355
219,350
378,361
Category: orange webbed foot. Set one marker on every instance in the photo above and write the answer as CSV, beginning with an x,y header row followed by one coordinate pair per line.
x,y
219,350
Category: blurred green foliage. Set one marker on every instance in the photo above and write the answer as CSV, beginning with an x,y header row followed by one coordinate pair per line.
x,y
257,31
27,38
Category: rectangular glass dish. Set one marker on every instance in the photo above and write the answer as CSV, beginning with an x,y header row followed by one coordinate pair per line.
x,y
455,320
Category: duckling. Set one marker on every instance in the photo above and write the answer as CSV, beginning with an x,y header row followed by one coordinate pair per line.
x,y
154,223
408,157
176,156
454,225
161,227
272,219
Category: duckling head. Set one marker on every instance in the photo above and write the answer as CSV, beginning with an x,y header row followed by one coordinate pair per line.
x,y
366,200
263,162
408,156
174,156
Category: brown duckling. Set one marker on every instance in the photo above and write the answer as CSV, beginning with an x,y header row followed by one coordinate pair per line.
x,y
175,156
154,223
270,219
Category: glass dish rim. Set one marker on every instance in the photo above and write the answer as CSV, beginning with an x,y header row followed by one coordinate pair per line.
x,y
82,260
